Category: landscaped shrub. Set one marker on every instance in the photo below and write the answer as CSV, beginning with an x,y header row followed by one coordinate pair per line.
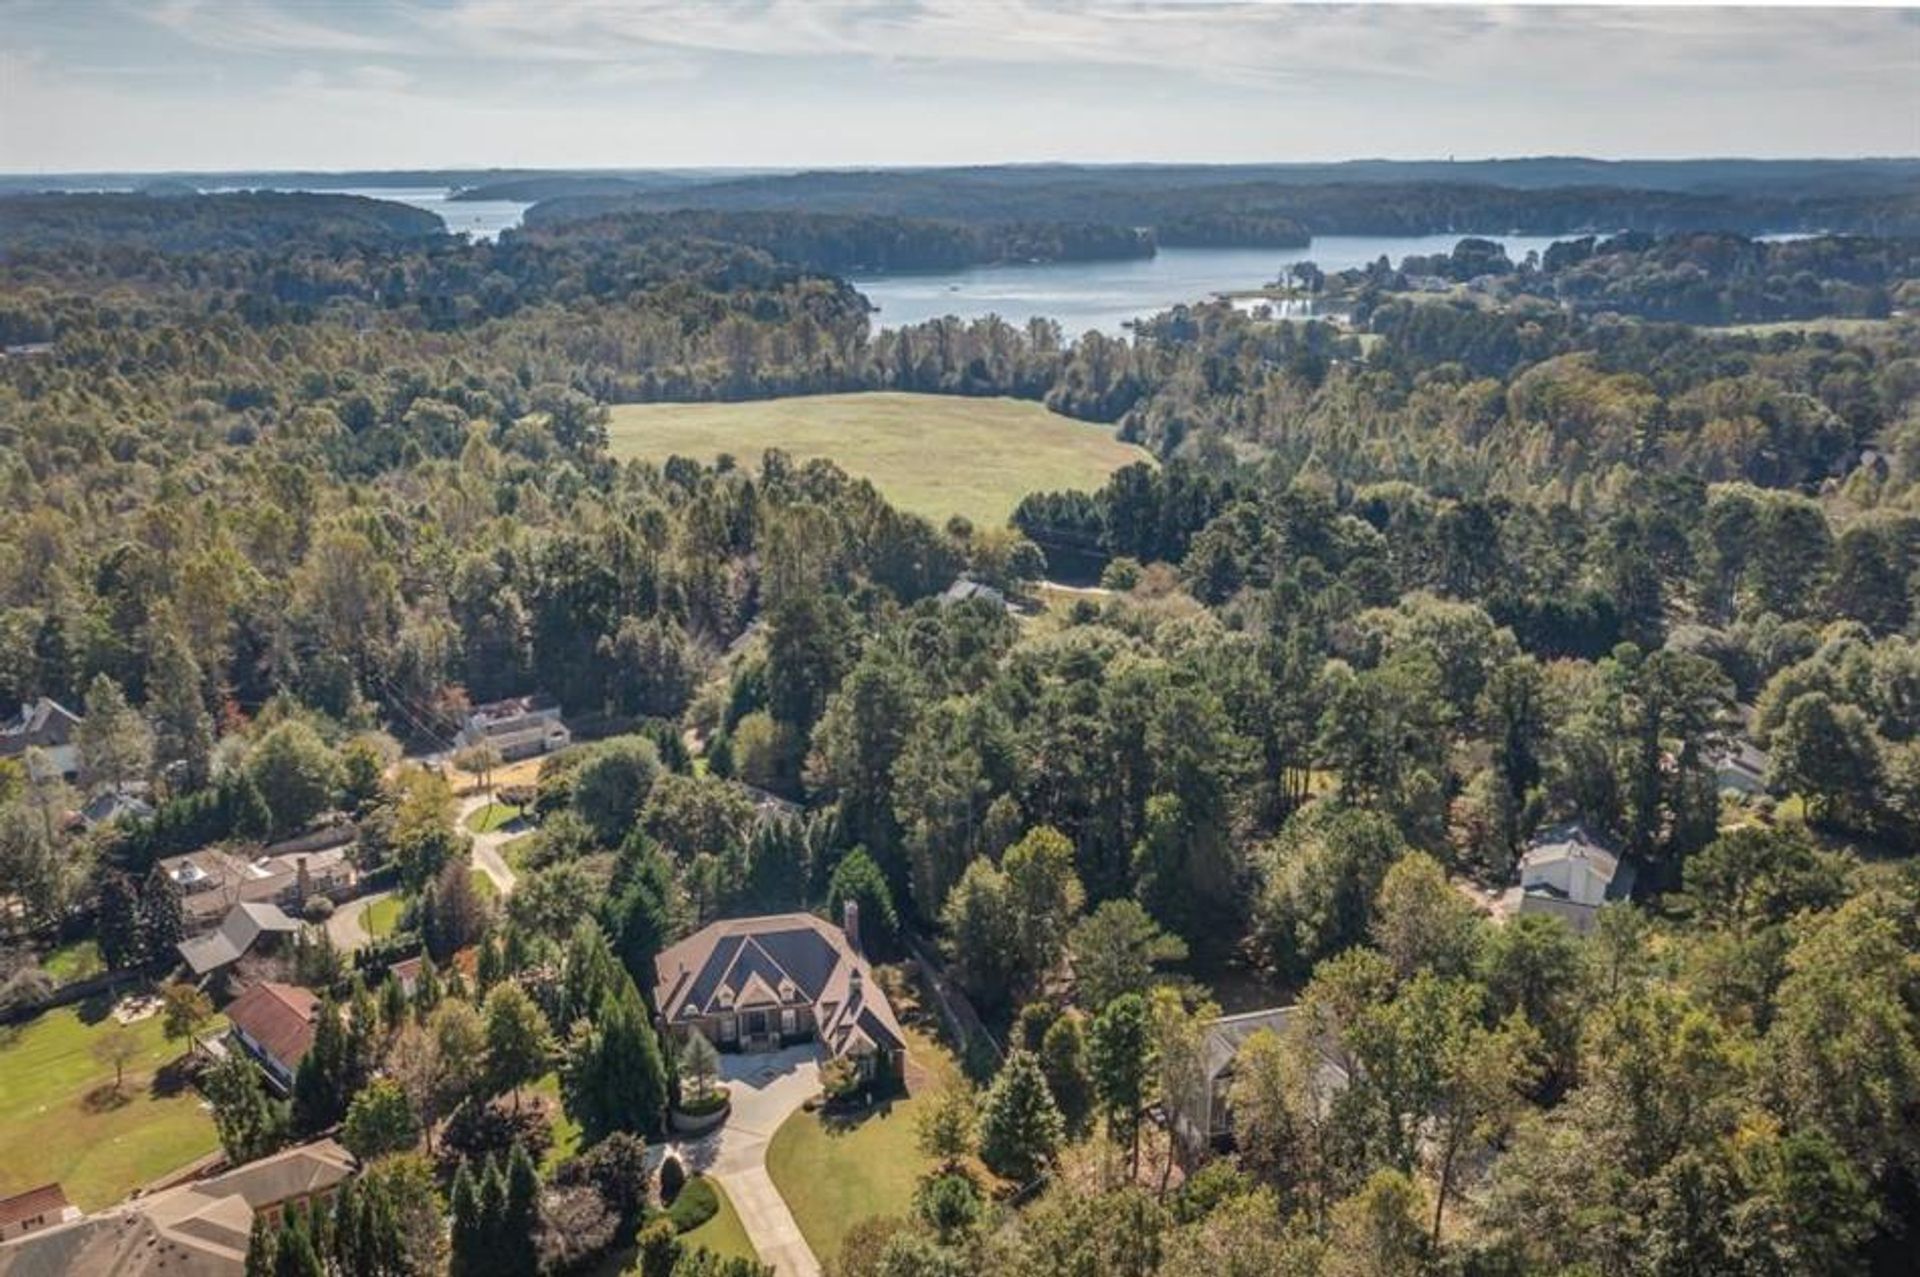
x,y
317,909
477,1130
696,1204
712,1102
673,1177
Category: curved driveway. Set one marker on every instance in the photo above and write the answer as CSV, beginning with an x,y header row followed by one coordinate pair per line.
x,y
766,1090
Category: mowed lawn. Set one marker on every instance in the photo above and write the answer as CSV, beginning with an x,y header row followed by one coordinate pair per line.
x,y
58,1120
724,1234
935,455
836,1172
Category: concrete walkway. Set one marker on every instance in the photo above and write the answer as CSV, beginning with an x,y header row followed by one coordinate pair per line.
x,y
766,1090
486,847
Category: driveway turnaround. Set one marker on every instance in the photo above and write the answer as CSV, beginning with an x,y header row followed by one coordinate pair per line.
x,y
766,1090
486,847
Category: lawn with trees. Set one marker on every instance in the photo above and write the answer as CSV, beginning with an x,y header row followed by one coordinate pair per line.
x,y
62,1118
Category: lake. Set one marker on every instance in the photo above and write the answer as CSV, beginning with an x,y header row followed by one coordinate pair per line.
x,y
1105,295
482,219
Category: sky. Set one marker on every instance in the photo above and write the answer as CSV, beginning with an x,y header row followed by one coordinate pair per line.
x,y
159,85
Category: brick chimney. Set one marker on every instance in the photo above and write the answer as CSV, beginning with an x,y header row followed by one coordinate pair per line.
x,y
303,882
850,923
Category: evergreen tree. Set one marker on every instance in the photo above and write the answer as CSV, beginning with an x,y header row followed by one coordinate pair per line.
x,y
520,1214
1021,1129
162,916
322,1084
614,1078
469,1230
1063,1058
118,929
262,1248
1121,1048
249,1123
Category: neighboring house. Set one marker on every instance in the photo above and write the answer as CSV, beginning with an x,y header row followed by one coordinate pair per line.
x,y
50,728
240,931
213,880
964,588
110,806
1741,767
1568,873
274,1023
198,1229
520,727
34,1209
407,971
1207,1121
758,984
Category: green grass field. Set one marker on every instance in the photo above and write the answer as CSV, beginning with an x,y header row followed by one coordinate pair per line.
x,y
724,1234
484,820
59,1120
382,916
75,961
935,455
834,1173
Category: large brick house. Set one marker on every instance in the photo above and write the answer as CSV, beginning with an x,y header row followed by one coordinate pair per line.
x,y
759,984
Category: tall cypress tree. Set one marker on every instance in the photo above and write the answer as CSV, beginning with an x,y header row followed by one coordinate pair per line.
x,y
322,1084
469,1230
520,1218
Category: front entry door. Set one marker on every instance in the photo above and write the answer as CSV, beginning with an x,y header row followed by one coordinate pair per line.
x,y
757,1031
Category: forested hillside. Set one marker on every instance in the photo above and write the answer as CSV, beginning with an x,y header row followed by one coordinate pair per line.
x,y
1402,595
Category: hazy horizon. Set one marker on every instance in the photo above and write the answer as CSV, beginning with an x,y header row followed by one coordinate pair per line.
x,y
279,85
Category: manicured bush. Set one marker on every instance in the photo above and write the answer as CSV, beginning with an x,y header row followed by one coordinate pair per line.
x,y
696,1204
673,1177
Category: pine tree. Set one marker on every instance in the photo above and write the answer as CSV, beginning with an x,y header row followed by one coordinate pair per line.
x,y
520,1217
262,1245
322,1084
1063,1058
1021,1129
119,931
469,1229
615,1078
162,916
1121,1046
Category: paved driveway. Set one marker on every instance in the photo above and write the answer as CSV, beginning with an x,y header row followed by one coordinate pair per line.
x,y
766,1090
347,927
486,847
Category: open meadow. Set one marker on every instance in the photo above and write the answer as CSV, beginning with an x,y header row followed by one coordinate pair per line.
x,y
935,455
61,1120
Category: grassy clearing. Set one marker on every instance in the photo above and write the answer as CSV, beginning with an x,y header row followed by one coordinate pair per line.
x,y
382,916
484,820
1844,327
566,1131
73,962
724,1234
834,1172
60,1121
514,852
483,886
936,455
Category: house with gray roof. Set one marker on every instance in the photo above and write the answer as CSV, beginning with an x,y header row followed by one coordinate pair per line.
x,y
51,731
197,1229
1570,874
762,983
1205,1119
238,933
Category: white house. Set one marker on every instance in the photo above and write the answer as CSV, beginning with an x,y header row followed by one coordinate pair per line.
x,y
1568,873
1206,1120
47,732
519,727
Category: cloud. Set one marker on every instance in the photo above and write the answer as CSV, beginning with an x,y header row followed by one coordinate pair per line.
x,y
251,26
